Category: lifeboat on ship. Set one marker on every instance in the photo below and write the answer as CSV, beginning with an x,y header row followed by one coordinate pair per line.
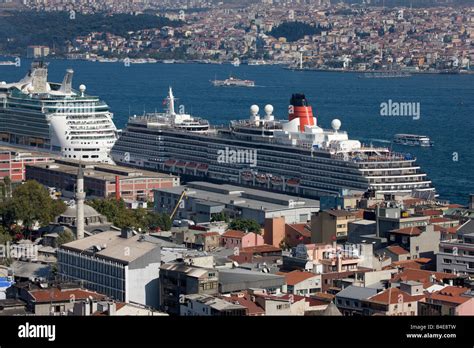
x,y
261,178
277,180
181,164
191,165
170,163
293,182
203,167
247,176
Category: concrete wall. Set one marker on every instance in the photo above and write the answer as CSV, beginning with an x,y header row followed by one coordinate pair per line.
x,y
143,285
427,243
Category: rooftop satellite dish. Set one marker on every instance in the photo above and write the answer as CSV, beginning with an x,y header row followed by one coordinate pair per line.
x,y
268,109
254,109
336,124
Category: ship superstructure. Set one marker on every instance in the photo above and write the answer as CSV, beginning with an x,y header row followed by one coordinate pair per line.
x,y
55,117
294,156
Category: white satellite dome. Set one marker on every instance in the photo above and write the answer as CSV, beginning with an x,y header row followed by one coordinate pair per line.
x,y
336,124
254,109
268,109
82,88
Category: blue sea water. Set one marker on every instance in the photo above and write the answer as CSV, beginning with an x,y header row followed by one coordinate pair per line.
x,y
446,104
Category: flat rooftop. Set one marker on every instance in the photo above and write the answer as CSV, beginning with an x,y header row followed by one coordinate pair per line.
x,y
113,246
242,197
99,170
25,152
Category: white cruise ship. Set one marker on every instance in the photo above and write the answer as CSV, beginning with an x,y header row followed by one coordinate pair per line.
x,y
54,117
294,156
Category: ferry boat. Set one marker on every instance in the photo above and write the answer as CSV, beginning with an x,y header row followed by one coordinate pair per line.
x,y
7,62
47,116
256,62
412,140
107,60
233,82
295,156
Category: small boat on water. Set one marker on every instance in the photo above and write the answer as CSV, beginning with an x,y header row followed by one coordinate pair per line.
x,y
233,82
7,62
412,140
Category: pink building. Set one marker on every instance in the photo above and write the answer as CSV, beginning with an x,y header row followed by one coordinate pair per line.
x,y
232,239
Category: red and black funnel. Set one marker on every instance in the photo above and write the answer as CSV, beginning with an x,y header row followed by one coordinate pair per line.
x,y
300,108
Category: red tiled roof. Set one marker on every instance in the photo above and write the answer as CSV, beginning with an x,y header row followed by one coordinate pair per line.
x,y
233,234
265,248
439,219
397,250
421,276
324,296
245,301
393,296
431,212
341,213
410,201
119,305
452,230
409,231
58,295
295,277
301,229
450,294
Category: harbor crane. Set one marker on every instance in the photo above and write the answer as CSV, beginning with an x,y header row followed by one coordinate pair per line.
x,y
181,197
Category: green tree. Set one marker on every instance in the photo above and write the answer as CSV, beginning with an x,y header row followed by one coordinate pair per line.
x,y
220,217
115,211
161,221
249,225
65,237
5,236
31,203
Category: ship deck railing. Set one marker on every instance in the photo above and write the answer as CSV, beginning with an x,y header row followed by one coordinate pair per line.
x,y
392,156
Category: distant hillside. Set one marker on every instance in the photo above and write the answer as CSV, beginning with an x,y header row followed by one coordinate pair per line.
x,y
413,3
293,31
20,29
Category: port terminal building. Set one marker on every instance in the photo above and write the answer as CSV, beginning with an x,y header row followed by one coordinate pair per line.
x,y
203,199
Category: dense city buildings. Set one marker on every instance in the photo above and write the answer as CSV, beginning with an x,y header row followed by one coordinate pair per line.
x,y
268,215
